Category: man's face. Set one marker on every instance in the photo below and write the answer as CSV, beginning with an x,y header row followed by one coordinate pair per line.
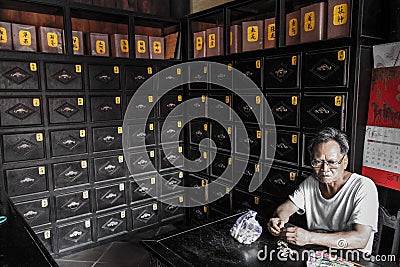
x,y
330,152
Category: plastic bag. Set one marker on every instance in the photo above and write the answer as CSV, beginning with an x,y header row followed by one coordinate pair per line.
x,y
246,229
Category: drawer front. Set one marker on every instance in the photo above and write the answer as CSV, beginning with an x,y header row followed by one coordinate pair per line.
x,y
223,193
286,147
19,75
285,109
111,224
171,131
20,111
170,182
172,209
171,158
21,147
64,76
198,132
75,234
145,216
222,167
66,109
280,182
253,141
199,161
35,212
74,204
46,237
326,68
198,76
248,107
197,107
252,69
109,168
110,196
169,77
103,77
70,173
319,111
135,76
105,108
221,109
252,170
222,136
26,180
140,189
168,102
141,107
107,138
142,134
143,163
199,187
221,74
68,142
282,72
243,201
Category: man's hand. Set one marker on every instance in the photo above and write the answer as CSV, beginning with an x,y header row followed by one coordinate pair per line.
x,y
297,236
275,225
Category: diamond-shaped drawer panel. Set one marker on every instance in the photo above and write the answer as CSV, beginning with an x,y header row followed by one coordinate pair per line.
x,y
145,215
142,106
199,131
142,162
198,76
222,166
105,108
143,187
252,69
248,107
286,147
20,111
326,68
64,76
19,75
170,181
102,77
66,109
35,212
142,134
280,182
68,142
107,168
26,180
222,136
250,169
221,76
282,72
198,161
171,157
110,196
72,204
168,102
169,77
198,105
320,111
71,173
170,131
170,208
107,138
21,147
285,109
74,234
248,140
220,107
137,75
111,224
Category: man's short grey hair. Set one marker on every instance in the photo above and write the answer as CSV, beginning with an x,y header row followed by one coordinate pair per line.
x,y
328,134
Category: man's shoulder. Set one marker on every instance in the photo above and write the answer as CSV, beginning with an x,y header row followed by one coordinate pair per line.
x,y
362,182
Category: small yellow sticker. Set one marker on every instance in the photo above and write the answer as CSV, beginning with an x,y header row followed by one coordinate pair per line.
x,y
227,190
341,55
25,38
257,168
205,209
117,100
121,187
179,124
205,126
294,60
180,199
271,32
340,14
258,134
47,234
180,149
203,98
205,69
85,194
87,224
82,133
199,43
252,33
150,98
157,47
205,154
83,164
152,180
123,214
80,101
75,43
230,38
338,101
294,138
141,46
36,102
152,154
180,175
229,161
203,182
3,35
211,40
33,66
258,63
151,126
258,100
120,159
149,70
179,98
292,176
52,39
45,203
309,21
39,137
155,207
119,129
227,99
229,130
42,170
256,200
293,27
178,71
78,68
100,47
124,45
116,69
294,100
229,66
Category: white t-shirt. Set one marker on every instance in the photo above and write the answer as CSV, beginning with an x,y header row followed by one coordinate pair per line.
x,y
355,202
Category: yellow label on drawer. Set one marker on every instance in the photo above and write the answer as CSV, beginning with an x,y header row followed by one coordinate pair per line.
x,y
292,176
121,187
294,60
152,153
341,55
257,168
152,180
258,64
203,182
338,101
149,70
85,194
252,33
205,69
141,47
36,102
178,71
230,38
205,126
116,69
199,43
123,214
33,66
120,159
52,39
87,223
229,161
293,27
25,38
294,138
204,154
309,21
180,98
39,137
229,66
75,43
82,133
42,170
117,100
119,129
45,203
150,98
205,209
227,190
229,130
83,164
78,68
179,124
294,100
47,234
124,45
180,149
3,35
256,200
157,47
340,14
181,175
180,199
155,206
258,100
271,32
151,126
100,47
211,40
80,101
227,99
259,134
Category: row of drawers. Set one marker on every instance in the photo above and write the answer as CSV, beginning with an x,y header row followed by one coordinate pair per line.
x,y
321,69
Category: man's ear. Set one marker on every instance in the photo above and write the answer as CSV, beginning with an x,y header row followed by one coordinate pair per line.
x,y
345,161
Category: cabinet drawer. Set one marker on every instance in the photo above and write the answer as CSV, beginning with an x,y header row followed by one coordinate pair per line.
x,y
107,138
252,141
326,68
250,170
221,76
170,181
110,196
105,108
168,102
170,208
220,106
111,224
103,77
320,111
35,212
107,168
70,173
135,76
142,134
66,109
222,167
198,131
198,76
171,157
198,105
252,69
248,107
243,201
20,111
73,204
285,109
286,147
280,182
46,237
144,216
142,162
140,189
171,131
169,77
64,76
222,136
282,72
26,180
68,142
21,147
199,189
19,75
223,203
74,235
141,107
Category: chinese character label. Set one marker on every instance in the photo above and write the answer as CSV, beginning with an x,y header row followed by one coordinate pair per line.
x,y
340,14
211,40
25,38
123,43
271,32
157,47
52,39
199,43
309,21
293,27
141,46
230,38
100,47
252,34
75,43
3,35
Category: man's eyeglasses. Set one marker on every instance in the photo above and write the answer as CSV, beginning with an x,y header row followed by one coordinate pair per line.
x,y
316,163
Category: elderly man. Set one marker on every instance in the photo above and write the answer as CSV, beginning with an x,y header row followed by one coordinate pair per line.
x,y
341,207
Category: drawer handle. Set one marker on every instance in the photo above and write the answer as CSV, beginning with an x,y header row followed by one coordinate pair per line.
x,y
64,76
73,205
282,146
246,108
171,105
219,106
69,142
248,140
170,77
248,172
24,146
281,109
221,76
20,111
171,207
110,196
324,67
196,105
143,190
110,167
142,162
322,110
17,74
112,224
30,214
140,77
172,182
145,216
141,135
279,181
171,157
140,106
171,131
221,136
104,78
198,77
67,109
249,73
75,234
281,72
199,133
109,139
71,174
27,180
106,108
221,165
